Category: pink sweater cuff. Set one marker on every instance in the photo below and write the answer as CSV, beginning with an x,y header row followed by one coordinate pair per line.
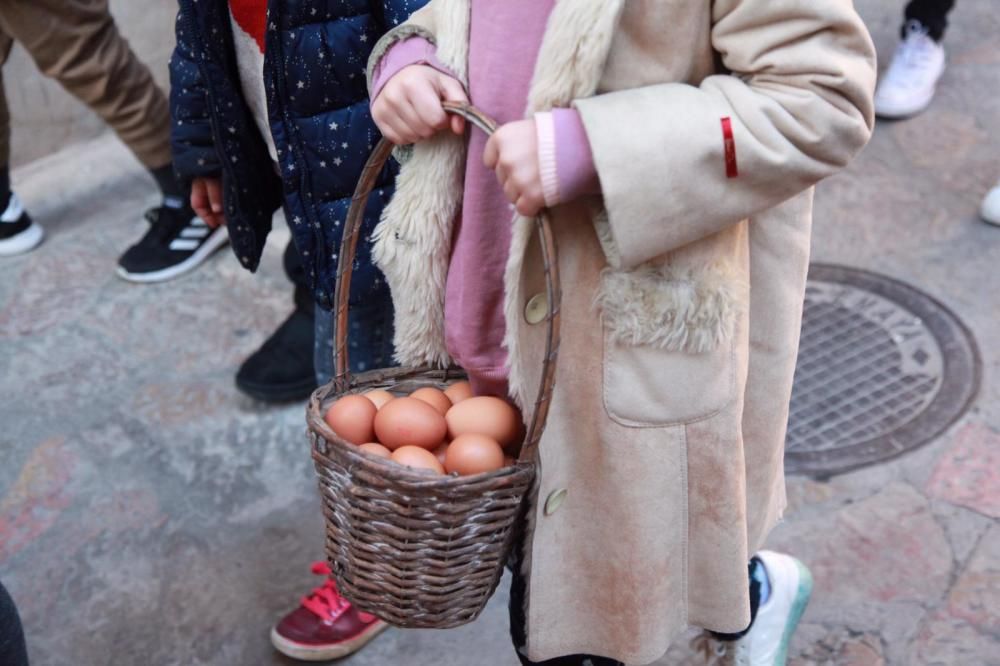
x,y
565,159
411,51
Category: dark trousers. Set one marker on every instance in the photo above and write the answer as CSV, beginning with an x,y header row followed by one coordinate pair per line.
x,y
12,650
931,13
296,272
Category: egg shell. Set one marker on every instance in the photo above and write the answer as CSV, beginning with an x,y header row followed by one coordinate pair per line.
x,y
417,458
441,452
433,397
352,417
409,422
484,415
379,397
458,392
473,454
373,449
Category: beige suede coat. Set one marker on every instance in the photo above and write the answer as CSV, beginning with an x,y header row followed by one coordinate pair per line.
x,y
683,284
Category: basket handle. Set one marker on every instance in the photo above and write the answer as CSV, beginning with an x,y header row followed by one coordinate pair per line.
x,y
345,270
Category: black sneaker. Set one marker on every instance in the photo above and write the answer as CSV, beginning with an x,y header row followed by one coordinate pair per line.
x,y
282,369
178,241
18,234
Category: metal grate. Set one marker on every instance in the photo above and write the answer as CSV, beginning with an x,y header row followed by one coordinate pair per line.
x,y
883,368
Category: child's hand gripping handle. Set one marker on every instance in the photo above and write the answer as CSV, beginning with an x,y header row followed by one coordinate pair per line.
x,y
345,269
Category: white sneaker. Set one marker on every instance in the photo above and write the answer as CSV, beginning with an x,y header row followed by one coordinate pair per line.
x,y
990,210
766,644
18,234
908,85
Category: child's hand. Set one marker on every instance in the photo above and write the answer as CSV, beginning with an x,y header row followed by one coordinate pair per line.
x,y
206,200
513,153
409,109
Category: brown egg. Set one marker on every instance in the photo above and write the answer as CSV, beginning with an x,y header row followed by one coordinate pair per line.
x,y
433,397
473,454
458,392
441,452
484,415
417,458
379,397
377,450
352,418
409,422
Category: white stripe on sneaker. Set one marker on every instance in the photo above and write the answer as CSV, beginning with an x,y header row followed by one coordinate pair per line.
x,y
14,210
183,244
195,232
215,241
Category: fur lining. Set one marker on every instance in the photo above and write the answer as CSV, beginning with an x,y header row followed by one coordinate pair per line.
x,y
412,244
453,17
658,306
602,225
574,50
521,234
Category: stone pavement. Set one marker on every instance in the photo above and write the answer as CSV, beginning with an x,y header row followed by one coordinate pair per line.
x,y
151,515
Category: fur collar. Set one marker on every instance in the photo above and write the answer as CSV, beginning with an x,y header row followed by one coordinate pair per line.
x,y
413,242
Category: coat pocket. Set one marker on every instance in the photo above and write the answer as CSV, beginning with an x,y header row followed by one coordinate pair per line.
x,y
668,345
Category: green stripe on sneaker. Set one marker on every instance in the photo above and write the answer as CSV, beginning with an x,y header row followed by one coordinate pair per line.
x,y
802,596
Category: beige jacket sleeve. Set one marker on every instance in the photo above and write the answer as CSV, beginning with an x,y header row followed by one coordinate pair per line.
x,y
799,104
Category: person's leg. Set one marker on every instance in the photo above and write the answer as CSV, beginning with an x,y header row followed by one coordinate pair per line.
x,y
18,234
908,85
12,649
282,369
5,45
932,14
77,43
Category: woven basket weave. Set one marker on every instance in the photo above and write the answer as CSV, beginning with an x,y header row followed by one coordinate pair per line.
x,y
413,549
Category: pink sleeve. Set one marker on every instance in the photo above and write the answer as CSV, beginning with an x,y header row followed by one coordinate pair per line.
x,y
564,157
411,51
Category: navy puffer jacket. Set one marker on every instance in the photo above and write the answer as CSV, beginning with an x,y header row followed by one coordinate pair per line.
x,y
314,70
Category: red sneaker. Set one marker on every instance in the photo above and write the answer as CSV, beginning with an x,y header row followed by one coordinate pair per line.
x,y
326,626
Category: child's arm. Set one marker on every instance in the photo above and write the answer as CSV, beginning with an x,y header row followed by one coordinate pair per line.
x,y
407,83
679,162
191,139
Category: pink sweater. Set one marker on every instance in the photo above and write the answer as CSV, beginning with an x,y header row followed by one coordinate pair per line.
x,y
499,82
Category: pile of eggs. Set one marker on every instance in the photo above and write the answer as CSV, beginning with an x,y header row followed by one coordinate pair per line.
x,y
445,432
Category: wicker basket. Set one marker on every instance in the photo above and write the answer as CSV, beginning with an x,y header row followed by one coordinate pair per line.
x,y
418,550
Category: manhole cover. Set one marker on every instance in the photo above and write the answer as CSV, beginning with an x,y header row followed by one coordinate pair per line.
x,y
882,369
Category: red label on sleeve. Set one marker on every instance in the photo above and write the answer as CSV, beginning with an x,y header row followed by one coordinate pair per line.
x,y
732,170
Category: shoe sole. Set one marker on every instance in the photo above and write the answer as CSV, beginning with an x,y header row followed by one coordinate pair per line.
x,y
912,110
903,114
216,241
802,596
278,393
304,652
25,241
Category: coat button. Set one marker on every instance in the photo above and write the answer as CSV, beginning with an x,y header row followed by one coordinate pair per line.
x,y
537,309
554,501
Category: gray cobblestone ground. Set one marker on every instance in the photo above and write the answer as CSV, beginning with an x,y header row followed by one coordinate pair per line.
x,y
151,515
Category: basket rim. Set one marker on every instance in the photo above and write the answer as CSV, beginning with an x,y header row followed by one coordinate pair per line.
x,y
414,479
